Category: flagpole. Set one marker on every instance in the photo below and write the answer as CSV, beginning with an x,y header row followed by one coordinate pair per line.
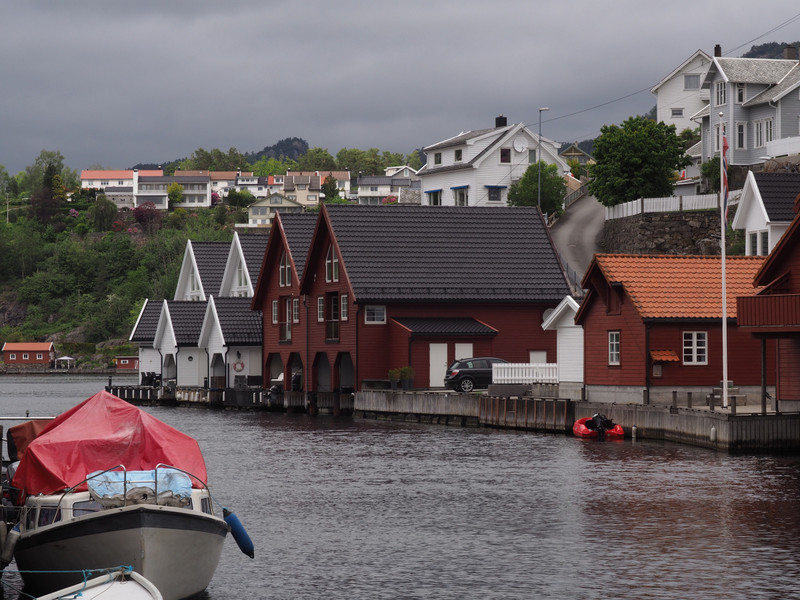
x,y
723,221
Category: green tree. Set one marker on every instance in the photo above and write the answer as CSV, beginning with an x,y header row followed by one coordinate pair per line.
x,y
316,159
330,189
175,194
34,178
635,160
104,212
710,172
414,160
525,192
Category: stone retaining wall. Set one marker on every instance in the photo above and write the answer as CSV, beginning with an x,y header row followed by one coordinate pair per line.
x,y
688,232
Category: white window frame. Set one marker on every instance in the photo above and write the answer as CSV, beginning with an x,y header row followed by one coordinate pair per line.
x,y
695,348
285,277
295,310
12,356
741,135
461,197
614,347
274,312
25,356
320,309
676,113
343,307
39,356
434,198
720,93
694,78
375,314
331,265
741,93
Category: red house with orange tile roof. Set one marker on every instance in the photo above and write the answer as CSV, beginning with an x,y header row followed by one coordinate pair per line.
x,y
653,324
772,316
29,354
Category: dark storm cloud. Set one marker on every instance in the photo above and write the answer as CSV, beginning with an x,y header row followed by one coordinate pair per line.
x,y
117,83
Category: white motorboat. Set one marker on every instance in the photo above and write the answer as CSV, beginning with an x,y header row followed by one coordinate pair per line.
x,y
107,484
119,584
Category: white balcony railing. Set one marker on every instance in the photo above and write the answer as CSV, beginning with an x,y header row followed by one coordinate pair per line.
x,y
524,373
783,147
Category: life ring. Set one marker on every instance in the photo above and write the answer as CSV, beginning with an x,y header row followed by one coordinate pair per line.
x,y
238,366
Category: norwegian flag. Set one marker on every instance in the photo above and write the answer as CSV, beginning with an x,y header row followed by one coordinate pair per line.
x,y
725,176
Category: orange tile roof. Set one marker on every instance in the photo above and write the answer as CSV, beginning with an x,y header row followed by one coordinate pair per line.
x,y
674,286
118,174
27,346
664,356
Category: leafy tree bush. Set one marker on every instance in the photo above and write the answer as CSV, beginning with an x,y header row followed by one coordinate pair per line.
x,y
104,212
525,192
635,160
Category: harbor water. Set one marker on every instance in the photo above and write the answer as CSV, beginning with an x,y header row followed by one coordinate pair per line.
x,y
343,508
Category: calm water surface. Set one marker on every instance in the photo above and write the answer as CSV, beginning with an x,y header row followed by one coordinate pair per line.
x,y
345,508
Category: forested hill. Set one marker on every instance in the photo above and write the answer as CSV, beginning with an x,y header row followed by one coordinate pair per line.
x,y
769,50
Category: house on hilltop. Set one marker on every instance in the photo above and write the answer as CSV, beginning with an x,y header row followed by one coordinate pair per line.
x,y
679,96
476,168
766,209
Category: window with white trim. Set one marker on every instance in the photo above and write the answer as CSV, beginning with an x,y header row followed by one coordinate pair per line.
x,y
720,93
320,309
740,93
25,356
295,310
677,113
695,348
461,197
344,307
374,314
39,356
505,155
613,347
331,265
12,356
691,81
274,312
458,154
285,271
741,136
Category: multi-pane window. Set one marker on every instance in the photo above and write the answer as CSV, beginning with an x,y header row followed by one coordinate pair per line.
x,y
375,314
344,307
753,244
295,310
461,196
695,348
720,93
331,265
320,309
764,243
285,271
741,136
435,198
677,113
740,93
274,312
613,347
437,158
494,194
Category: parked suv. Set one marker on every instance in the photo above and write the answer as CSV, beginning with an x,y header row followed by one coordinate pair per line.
x,y
466,374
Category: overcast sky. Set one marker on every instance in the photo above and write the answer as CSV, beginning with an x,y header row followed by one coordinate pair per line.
x,y
119,82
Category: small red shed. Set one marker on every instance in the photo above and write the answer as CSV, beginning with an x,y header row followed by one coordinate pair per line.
x,y
29,354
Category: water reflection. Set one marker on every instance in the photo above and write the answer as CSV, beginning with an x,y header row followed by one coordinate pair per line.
x,y
345,508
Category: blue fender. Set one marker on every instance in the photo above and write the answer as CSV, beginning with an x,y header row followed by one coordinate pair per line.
x,y
239,534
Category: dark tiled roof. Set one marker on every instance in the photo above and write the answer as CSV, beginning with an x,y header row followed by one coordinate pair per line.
x,y
211,258
253,247
187,320
412,253
445,326
778,191
240,325
299,229
145,329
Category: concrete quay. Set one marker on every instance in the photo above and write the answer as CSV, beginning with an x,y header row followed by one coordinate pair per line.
x,y
739,429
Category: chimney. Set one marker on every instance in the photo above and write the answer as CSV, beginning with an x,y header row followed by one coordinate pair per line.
x,y
717,51
500,121
790,53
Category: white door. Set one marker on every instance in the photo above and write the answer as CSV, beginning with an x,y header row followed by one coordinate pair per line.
x,y
438,365
463,351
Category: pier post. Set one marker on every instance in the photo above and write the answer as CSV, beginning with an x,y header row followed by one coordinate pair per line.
x,y
689,399
645,397
732,404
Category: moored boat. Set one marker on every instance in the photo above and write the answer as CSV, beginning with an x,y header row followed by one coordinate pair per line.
x,y
119,584
107,484
597,426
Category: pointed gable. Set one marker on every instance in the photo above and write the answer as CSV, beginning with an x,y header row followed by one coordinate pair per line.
x,y
236,323
411,253
144,331
671,286
781,264
202,270
291,232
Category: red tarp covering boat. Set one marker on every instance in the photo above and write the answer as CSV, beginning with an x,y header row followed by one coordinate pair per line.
x,y
580,429
100,433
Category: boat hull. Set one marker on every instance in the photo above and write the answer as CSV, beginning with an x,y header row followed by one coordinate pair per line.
x,y
176,549
579,429
119,586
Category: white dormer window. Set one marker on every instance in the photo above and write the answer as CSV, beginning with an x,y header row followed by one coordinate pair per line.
x,y
284,271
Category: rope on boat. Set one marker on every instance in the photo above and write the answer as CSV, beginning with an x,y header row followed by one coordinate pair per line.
x,y
87,574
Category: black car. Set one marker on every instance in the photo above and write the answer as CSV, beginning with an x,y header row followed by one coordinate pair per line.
x,y
466,374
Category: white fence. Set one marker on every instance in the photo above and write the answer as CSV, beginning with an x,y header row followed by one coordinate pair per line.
x,y
668,204
524,373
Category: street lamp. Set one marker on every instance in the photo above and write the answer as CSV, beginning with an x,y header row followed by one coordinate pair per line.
x,y
539,157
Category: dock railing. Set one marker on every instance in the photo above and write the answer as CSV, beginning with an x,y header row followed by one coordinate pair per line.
x,y
524,373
